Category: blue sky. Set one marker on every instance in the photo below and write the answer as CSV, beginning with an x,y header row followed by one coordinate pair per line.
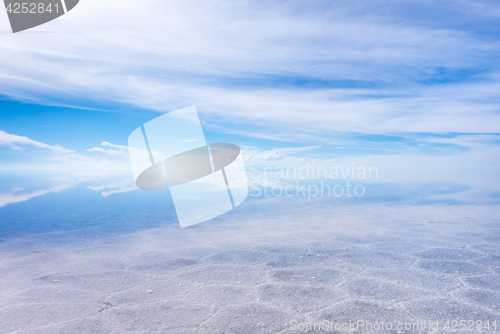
x,y
401,85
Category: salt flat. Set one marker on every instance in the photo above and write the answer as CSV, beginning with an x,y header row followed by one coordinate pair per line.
x,y
259,269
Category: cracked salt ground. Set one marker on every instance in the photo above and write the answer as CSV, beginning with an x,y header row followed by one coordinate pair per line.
x,y
249,273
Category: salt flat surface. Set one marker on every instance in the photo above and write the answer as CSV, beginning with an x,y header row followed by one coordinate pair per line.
x,y
256,269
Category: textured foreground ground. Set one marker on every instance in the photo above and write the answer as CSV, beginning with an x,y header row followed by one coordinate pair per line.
x,y
256,270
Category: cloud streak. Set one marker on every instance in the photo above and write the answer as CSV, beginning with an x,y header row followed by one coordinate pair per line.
x,y
114,151
16,142
41,156
286,67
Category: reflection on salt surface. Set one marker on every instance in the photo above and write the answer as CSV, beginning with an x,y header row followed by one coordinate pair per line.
x,y
88,263
20,195
57,201
109,188
396,187
54,201
21,187
18,187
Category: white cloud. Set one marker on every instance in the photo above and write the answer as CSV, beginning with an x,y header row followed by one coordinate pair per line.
x,y
188,140
253,154
16,142
271,156
58,157
470,141
165,55
116,150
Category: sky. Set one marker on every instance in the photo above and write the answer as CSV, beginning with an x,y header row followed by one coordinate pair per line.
x,y
399,85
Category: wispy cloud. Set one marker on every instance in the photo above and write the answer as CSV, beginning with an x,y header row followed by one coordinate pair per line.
x,y
291,70
32,154
115,150
188,140
16,142
254,154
